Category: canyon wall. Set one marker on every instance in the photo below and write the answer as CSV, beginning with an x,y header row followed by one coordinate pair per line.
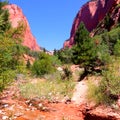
x,y
16,16
90,14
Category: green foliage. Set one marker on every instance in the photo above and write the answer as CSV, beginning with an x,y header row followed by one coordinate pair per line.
x,y
107,21
55,60
93,93
117,48
43,65
102,54
67,73
6,77
64,55
28,65
4,21
109,86
83,51
53,89
107,90
109,38
34,54
10,47
87,52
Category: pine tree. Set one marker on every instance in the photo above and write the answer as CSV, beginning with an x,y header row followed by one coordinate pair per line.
x,y
10,47
84,49
87,53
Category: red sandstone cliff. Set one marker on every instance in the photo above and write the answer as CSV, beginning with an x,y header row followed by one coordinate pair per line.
x,y
91,14
16,15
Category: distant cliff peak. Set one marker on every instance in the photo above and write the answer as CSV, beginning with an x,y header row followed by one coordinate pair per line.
x,y
90,14
16,16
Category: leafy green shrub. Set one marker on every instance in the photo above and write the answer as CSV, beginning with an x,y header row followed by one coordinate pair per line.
x,y
117,48
64,55
6,78
109,86
10,47
67,74
34,54
55,60
43,65
102,54
109,38
108,89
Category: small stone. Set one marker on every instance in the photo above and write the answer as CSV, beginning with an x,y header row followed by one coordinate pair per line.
x,y
115,106
33,109
27,109
6,105
18,114
4,117
0,111
40,105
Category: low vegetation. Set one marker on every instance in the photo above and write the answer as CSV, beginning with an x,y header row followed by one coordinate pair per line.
x,y
107,90
52,88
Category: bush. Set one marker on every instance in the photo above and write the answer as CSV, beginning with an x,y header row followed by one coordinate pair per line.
x,y
64,55
109,38
67,74
55,60
43,65
117,48
6,78
10,47
108,89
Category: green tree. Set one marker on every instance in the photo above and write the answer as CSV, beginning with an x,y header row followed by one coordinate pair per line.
x,y
65,55
9,39
4,15
87,52
84,52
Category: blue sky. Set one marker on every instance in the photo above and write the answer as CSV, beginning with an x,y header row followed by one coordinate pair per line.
x,y
50,20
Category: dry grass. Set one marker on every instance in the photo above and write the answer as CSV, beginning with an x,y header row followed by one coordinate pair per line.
x,y
52,89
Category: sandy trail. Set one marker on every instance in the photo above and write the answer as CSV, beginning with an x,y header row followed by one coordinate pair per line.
x,y
79,95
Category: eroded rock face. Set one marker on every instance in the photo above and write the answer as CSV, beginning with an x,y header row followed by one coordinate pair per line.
x,y
91,14
102,113
16,16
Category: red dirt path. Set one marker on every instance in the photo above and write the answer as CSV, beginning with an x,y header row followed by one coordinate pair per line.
x,y
13,107
59,111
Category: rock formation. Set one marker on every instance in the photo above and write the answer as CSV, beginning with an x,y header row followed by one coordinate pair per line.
x,y
16,16
90,14
102,113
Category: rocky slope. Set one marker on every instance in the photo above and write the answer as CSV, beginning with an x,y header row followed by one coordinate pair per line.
x,y
91,14
16,16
